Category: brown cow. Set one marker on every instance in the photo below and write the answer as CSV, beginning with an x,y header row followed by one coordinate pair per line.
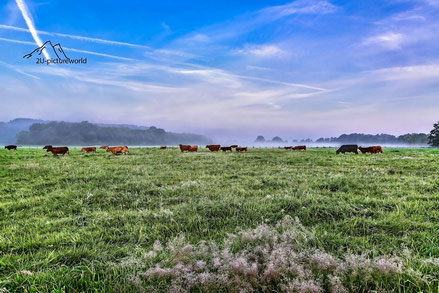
x,y
163,147
288,147
104,147
372,149
47,147
213,147
300,148
57,150
241,149
89,149
184,147
193,148
225,149
119,149
234,146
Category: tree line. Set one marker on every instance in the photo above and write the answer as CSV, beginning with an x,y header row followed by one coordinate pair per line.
x,y
409,138
85,133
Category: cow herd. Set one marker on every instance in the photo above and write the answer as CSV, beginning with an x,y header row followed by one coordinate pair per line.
x,y
296,148
347,148
353,148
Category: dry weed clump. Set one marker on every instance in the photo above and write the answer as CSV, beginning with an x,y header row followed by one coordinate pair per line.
x,y
283,258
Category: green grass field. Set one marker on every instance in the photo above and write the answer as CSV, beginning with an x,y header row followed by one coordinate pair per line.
x,y
88,222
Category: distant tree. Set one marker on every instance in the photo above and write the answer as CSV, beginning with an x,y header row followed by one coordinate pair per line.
x,y
277,139
260,138
321,139
306,140
413,138
85,133
433,138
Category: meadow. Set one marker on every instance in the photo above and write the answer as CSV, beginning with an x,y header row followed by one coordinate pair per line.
x,y
268,220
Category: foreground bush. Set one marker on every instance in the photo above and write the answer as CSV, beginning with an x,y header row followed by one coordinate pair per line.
x,y
279,259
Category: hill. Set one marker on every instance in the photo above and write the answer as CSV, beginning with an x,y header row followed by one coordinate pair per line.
x,y
85,133
9,130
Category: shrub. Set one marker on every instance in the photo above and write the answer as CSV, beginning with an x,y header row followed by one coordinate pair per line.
x,y
284,258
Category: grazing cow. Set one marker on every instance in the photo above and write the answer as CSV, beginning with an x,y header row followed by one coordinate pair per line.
x,y
57,150
300,148
11,147
184,147
163,147
241,149
288,147
118,150
225,149
89,149
104,147
348,148
193,148
234,146
213,147
372,149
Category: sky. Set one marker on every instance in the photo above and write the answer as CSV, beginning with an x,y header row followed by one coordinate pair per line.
x,y
226,69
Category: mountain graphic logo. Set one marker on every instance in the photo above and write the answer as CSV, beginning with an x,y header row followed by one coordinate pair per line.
x,y
56,49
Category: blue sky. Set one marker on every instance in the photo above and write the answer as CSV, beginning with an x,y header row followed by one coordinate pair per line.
x,y
228,69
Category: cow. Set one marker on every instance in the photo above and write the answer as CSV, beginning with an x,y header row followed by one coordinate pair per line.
x,y
89,149
348,148
118,150
288,147
213,147
104,147
163,147
372,149
184,147
225,149
234,146
241,149
46,147
11,147
57,150
193,148
300,148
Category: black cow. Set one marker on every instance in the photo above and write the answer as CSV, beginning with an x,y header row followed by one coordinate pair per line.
x,y
11,147
348,148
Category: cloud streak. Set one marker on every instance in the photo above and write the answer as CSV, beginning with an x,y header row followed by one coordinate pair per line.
x,y
30,24
75,37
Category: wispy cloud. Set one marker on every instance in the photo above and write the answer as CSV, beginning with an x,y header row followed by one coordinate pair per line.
x,y
389,41
262,51
299,7
254,20
30,24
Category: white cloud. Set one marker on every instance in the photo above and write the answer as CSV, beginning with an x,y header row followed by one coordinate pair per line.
x,y
388,41
300,7
262,51
413,73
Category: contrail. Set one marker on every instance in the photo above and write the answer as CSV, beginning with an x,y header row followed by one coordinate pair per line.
x,y
30,24
71,49
95,40
17,70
